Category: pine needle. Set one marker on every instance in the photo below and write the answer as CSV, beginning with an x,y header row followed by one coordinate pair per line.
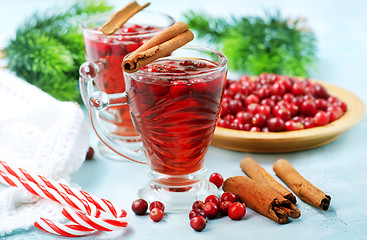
x,y
48,48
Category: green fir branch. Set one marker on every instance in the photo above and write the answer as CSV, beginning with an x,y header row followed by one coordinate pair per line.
x,y
259,44
48,48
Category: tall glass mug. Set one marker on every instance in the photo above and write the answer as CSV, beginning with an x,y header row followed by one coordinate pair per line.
x,y
174,104
110,51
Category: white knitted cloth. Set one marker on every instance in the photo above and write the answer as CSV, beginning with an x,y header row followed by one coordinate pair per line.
x,y
42,135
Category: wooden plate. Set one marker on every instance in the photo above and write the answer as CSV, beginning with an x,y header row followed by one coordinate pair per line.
x,y
276,142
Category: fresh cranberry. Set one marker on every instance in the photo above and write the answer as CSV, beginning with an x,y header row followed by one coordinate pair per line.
x,y
258,120
246,89
293,109
298,88
240,97
255,129
223,123
342,105
198,204
288,97
211,210
90,154
236,125
225,108
229,117
228,196
265,109
235,106
198,223
277,89
268,102
334,112
235,87
320,91
196,212
244,117
322,118
228,94
247,126
262,93
309,122
282,112
156,214
139,206
308,108
213,199
224,206
251,99
237,211
275,124
276,98
217,179
332,99
321,104
156,204
179,88
253,108
292,125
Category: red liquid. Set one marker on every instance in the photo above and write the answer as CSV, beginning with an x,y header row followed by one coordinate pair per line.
x,y
176,118
112,50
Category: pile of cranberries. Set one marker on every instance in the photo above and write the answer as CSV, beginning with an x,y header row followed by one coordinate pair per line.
x,y
212,207
226,205
274,103
156,209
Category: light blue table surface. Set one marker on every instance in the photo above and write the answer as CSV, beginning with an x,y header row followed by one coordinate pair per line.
x,y
339,168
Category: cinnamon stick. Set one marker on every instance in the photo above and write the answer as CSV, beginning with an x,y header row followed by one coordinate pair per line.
x,y
300,186
261,198
118,19
257,173
159,46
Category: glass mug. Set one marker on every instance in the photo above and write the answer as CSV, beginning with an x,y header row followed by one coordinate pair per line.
x,y
111,50
174,104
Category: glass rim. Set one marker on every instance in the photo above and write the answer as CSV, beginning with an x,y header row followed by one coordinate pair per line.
x,y
106,15
222,63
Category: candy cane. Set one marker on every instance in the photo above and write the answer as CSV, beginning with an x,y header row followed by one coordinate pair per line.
x,y
77,203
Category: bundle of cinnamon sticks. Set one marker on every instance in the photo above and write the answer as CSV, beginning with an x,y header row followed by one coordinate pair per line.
x,y
262,193
161,45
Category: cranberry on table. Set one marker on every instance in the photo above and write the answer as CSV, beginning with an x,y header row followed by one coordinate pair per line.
x,y
196,212
216,179
90,154
237,211
156,214
228,196
198,204
156,204
198,223
212,198
211,210
139,206
223,207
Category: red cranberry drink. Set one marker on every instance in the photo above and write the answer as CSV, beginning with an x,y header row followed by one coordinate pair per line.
x,y
175,108
174,104
109,51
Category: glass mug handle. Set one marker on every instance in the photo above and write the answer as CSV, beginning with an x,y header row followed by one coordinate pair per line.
x,y
98,101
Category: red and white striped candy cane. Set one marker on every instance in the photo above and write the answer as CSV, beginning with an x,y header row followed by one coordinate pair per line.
x,y
80,207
